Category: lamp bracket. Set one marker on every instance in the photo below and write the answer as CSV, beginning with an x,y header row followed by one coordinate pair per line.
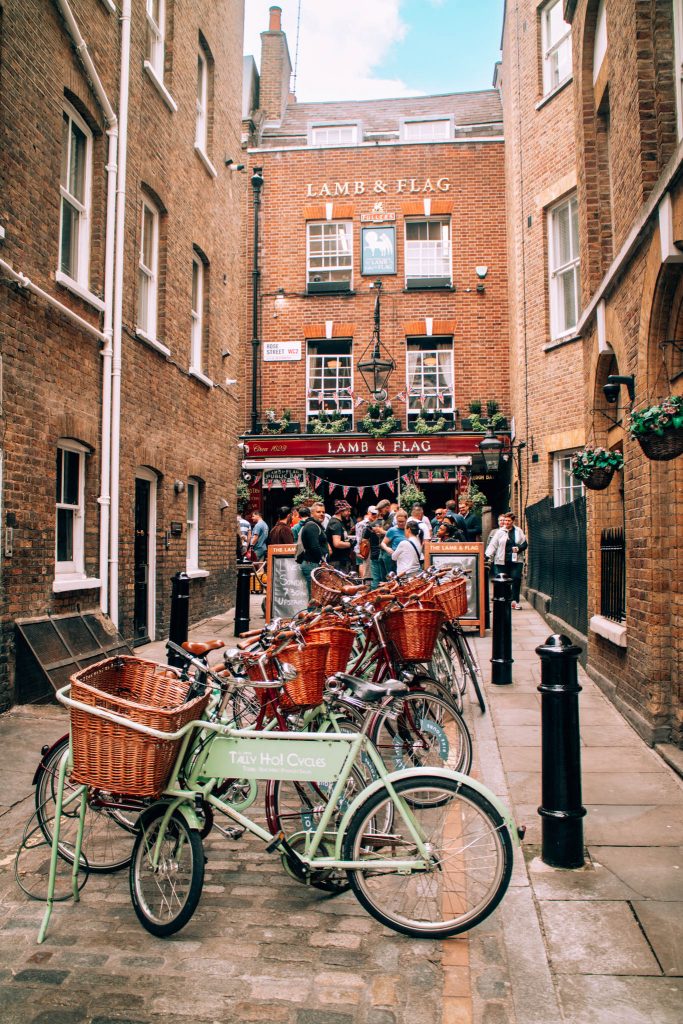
x,y
617,423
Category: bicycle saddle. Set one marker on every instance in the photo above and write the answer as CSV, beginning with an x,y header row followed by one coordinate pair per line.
x,y
198,648
367,691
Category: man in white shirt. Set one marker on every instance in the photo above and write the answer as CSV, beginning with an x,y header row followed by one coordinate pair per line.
x,y
418,516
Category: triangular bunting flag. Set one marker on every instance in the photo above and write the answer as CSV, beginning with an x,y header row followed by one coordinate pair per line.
x,y
316,482
430,476
270,482
361,491
391,485
376,490
332,487
296,481
345,491
445,475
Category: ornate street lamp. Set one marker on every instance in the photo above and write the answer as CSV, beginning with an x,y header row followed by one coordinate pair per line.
x,y
491,447
375,368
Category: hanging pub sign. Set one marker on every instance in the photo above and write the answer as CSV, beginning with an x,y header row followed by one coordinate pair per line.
x,y
378,249
283,478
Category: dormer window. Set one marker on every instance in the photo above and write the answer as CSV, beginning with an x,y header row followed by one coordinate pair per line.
x,y
427,130
334,135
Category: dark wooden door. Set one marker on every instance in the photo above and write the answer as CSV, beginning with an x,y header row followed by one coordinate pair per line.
x,y
140,612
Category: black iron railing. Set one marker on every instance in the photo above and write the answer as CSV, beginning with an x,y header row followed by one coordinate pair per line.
x,y
613,574
557,558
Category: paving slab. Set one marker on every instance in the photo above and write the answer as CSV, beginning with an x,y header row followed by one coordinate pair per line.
x,y
663,926
605,788
588,937
652,872
612,1000
592,882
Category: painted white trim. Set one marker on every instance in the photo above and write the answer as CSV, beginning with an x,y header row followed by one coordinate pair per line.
x,y
2,233
312,271
152,342
205,160
192,525
83,207
202,102
609,630
75,566
197,317
160,87
149,273
553,93
65,582
77,289
197,574
201,377
549,47
555,273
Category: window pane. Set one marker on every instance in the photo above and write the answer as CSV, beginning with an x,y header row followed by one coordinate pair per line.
x,y
147,237
72,461
563,244
569,299
65,149
77,163
143,300
68,256
65,535
195,286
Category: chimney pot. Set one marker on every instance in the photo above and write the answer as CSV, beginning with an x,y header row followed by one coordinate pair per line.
x,y
275,24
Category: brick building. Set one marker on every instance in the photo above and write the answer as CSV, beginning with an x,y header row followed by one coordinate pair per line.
x,y
409,193
614,68
120,241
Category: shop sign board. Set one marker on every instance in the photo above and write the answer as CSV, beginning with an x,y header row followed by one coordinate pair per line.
x,y
283,477
469,557
396,446
378,249
281,351
286,592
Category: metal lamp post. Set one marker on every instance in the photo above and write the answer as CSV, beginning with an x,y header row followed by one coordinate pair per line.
x,y
375,368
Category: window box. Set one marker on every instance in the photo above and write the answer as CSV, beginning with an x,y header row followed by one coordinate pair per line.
x,y
466,424
433,417
428,282
348,421
326,287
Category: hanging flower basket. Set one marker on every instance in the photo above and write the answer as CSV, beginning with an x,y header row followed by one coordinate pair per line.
x,y
595,467
658,429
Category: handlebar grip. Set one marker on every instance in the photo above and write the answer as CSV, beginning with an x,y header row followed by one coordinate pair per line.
x,y
250,632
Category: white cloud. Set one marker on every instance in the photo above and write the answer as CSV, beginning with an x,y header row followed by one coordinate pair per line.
x,y
341,41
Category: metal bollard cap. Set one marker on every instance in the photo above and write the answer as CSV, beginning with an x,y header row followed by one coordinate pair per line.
x,y
558,645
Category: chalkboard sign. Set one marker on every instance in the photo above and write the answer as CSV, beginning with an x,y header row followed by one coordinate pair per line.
x,y
286,592
469,557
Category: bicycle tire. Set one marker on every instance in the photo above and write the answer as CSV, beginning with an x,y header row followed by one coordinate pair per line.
x,y
428,733
468,665
107,833
165,898
472,853
434,683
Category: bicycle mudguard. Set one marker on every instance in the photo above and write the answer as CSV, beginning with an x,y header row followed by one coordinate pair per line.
x,y
184,807
45,753
439,773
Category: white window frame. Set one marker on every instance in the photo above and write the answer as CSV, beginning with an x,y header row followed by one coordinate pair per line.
x,y
552,49
343,255
427,129
416,371
156,31
202,126
193,506
148,275
334,135
74,568
315,403
678,64
197,314
425,258
81,277
558,272
566,488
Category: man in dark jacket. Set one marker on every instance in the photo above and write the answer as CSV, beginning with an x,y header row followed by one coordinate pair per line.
x,y
314,542
337,533
282,531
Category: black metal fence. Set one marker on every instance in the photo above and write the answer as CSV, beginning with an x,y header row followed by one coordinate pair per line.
x,y
613,574
557,558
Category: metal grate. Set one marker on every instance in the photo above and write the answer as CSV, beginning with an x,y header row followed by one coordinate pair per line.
x,y
613,574
557,558
51,649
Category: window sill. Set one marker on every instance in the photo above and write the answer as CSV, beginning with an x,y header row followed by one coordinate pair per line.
x,y
197,574
63,584
201,377
610,630
152,342
160,87
205,160
553,93
565,339
422,287
78,289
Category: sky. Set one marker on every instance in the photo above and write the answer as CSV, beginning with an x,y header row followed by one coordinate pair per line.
x,y
371,49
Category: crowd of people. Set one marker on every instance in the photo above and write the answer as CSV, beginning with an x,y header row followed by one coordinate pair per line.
x,y
386,539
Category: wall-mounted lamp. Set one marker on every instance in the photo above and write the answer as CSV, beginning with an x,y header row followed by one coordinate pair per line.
x,y
178,486
232,166
481,273
611,389
491,448
223,504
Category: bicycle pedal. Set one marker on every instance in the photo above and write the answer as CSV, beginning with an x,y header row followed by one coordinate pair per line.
x,y
230,833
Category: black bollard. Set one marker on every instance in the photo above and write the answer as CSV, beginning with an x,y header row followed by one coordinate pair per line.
x,y
180,614
244,571
501,641
487,596
561,809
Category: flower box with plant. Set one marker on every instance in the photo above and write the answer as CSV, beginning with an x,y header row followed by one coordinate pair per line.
x,y
658,429
596,466
328,423
379,420
429,426
283,425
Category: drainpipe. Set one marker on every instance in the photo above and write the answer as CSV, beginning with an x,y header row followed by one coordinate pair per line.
x,y
257,185
109,247
25,282
124,89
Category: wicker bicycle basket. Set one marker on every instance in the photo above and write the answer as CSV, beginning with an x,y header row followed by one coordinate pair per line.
x,y
113,757
306,689
413,631
326,585
451,597
339,641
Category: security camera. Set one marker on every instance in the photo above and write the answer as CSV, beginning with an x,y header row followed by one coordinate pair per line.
x,y
614,382
611,393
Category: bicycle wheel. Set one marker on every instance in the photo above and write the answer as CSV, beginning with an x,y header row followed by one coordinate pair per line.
x,y
470,850
428,733
466,665
441,666
107,832
166,896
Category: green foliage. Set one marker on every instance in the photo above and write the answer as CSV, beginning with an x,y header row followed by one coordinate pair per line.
x,y
423,427
410,496
497,421
475,406
306,496
275,425
492,408
477,497
242,497
476,424
381,423
326,423
590,458
657,419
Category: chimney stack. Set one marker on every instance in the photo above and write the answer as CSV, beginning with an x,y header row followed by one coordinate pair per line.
x,y
276,69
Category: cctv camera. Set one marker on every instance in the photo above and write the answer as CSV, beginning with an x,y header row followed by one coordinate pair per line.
x,y
611,392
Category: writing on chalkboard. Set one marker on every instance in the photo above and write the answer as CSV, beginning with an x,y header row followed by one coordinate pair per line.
x,y
287,593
